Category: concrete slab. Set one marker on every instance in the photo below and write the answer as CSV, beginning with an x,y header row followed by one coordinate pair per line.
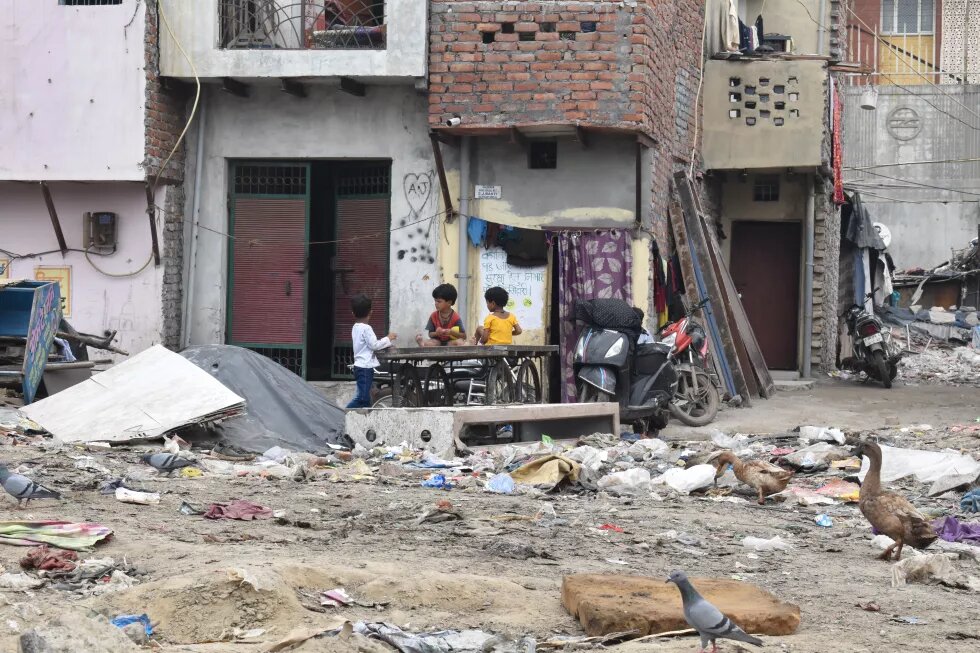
x,y
607,604
441,429
794,385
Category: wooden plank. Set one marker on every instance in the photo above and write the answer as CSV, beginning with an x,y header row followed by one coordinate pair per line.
x,y
55,222
702,261
443,183
766,387
721,340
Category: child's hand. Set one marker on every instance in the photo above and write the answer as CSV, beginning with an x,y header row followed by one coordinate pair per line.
x,y
392,336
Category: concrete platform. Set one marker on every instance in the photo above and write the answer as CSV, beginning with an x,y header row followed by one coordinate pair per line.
x,y
794,385
445,430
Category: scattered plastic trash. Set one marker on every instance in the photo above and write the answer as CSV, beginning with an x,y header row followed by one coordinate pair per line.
x,y
547,441
926,466
821,434
687,480
190,472
912,621
806,497
647,449
761,544
43,558
971,501
932,568
124,620
132,496
824,520
335,598
630,481
187,508
438,482
630,437
501,484
870,606
61,534
840,489
615,561
816,457
611,527
19,582
951,529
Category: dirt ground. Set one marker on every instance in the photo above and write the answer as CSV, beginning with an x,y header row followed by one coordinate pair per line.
x,y
499,568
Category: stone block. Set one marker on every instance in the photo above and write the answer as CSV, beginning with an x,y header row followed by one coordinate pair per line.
x,y
607,603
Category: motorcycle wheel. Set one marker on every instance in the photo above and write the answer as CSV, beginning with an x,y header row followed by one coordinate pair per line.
x,y
589,394
881,368
695,409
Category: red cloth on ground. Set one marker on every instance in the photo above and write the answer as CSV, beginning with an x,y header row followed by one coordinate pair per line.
x,y
43,559
238,509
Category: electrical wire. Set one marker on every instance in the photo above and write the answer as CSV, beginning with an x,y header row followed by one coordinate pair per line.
x,y
895,199
915,183
697,95
912,163
173,151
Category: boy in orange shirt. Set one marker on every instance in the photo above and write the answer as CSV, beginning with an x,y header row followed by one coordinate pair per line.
x,y
500,327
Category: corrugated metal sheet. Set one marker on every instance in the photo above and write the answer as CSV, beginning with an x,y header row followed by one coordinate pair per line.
x,y
362,265
269,283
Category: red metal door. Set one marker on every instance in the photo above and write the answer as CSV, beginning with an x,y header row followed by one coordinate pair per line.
x,y
765,266
360,265
267,275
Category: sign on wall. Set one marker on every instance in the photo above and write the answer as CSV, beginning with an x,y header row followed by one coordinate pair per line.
x,y
526,286
62,276
488,192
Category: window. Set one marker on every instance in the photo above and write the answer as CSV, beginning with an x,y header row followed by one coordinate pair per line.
x,y
89,3
542,155
766,188
907,16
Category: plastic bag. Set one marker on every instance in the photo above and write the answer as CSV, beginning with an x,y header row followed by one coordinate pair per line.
x,y
501,484
926,466
821,434
761,544
589,457
648,448
124,620
631,481
687,480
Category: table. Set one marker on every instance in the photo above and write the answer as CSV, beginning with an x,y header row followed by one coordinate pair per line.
x,y
502,374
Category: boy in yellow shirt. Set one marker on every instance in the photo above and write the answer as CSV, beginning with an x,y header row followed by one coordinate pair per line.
x,y
500,327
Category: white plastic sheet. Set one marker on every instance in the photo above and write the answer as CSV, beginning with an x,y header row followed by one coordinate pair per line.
x,y
926,466
687,480
631,481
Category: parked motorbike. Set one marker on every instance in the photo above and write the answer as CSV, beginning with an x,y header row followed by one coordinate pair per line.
x,y
609,365
696,397
871,344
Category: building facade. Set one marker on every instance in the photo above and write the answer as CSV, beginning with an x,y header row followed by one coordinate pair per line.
x,y
769,119
82,198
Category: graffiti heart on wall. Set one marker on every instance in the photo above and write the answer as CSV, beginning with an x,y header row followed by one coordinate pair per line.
x,y
411,237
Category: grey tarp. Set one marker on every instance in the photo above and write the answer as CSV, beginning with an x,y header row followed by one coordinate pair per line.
x,y
860,228
282,409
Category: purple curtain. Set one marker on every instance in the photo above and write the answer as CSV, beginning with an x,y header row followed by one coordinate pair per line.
x,y
591,265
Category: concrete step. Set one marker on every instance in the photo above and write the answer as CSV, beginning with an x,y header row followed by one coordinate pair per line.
x,y
794,385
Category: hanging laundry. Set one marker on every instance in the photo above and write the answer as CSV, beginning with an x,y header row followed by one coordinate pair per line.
x,y
659,284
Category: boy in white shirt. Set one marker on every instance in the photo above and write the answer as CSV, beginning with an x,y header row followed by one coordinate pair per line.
x,y
365,346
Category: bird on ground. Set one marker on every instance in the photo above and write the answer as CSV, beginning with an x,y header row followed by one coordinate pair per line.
x,y
764,477
24,489
705,618
890,513
166,462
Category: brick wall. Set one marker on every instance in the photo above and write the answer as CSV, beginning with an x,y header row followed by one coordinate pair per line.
x,y
165,112
165,117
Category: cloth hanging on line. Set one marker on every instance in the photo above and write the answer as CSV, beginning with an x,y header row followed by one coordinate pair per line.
x,y
675,289
477,230
591,265
721,26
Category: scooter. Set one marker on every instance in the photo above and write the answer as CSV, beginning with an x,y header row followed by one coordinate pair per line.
x,y
696,398
610,366
871,342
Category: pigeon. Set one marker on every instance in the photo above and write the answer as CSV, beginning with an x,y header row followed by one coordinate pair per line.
x,y
166,462
705,618
24,489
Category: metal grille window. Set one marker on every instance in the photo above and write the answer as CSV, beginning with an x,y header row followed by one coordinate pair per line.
x,y
374,180
89,3
766,189
270,180
302,24
907,16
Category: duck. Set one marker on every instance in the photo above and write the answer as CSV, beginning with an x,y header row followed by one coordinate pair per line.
x,y
890,513
764,477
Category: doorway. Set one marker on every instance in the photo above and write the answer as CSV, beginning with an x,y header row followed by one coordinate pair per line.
x,y
765,266
307,236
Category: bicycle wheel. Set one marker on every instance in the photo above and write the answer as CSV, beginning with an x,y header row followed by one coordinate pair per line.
x,y
438,388
411,392
500,385
528,386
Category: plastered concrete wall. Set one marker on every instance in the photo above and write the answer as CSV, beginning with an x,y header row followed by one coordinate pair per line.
x,y
195,24
389,123
71,91
731,143
919,203
131,304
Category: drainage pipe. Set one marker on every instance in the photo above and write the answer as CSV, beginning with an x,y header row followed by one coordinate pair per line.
x,y
808,237
195,218
822,31
463,275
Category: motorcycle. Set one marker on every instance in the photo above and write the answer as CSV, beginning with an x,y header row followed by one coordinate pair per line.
x,y
696,397
609,365
871,343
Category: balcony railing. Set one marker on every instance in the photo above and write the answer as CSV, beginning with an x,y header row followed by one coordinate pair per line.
x,y
302,24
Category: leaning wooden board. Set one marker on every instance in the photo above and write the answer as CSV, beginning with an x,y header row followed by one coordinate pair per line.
x,y
766,385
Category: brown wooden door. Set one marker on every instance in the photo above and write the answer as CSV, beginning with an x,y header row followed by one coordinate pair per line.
x,y
765,265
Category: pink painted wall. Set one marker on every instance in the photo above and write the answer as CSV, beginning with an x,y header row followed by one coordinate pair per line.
x,y
130,305
72,91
